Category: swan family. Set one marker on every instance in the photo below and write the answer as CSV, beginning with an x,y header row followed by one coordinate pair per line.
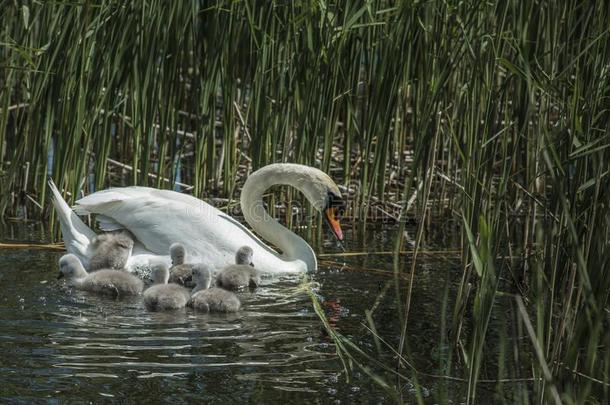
x,y
159,218
147,230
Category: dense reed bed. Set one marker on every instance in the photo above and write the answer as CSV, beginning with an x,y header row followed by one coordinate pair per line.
x,y
490,114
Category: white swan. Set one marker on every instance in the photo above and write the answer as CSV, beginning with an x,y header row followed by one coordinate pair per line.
x,y
158,218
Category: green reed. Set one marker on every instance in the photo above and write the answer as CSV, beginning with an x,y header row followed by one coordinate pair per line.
x,y
491,114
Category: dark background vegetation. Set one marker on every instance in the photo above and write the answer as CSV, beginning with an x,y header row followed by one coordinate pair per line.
x,y
493,115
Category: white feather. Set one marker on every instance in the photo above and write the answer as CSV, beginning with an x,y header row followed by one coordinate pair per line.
x,y
76,235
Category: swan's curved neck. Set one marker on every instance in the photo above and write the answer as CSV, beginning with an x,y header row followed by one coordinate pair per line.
x,y
296,252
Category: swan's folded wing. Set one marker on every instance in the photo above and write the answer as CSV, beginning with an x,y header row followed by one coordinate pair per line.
x,y
103,200
99,201
158,218
113,200
108,224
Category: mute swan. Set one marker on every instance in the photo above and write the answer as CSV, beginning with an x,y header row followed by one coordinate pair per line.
x,y
109,282
163,296
158,218
180,272
206,299
241,274
112,251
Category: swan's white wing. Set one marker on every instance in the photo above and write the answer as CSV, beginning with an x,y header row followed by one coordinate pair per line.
x,y
108,224
76,234
158,218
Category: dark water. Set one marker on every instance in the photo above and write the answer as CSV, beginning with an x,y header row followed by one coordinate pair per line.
x,y
62,345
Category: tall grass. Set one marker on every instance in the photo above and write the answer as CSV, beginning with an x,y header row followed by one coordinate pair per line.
x,y
494,113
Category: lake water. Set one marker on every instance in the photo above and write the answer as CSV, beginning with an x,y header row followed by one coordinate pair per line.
x,y
60,345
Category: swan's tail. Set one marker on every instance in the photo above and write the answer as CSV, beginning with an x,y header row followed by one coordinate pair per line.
x,y
76,235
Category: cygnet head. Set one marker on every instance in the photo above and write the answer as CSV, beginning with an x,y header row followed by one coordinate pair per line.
x,y
71,267
103,237
178,253
244,256
159,273
120,240
124,241
202,276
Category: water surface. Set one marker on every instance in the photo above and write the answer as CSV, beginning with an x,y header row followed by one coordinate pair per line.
x,y
60,344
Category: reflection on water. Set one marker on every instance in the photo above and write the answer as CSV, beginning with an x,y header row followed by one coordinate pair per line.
x,y
69,345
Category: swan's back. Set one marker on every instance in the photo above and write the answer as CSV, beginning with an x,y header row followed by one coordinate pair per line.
x,y
238,276
115,283
215,300
163,297
159,218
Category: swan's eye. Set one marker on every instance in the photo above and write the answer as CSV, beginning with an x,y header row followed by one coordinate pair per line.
x,y
335,202
332,212
338,211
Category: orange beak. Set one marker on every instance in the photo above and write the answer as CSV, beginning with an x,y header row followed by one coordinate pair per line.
x,y
330,215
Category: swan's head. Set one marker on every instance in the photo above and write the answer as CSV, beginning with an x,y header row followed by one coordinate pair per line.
x,y
159,273
202,275
324,195
244,256
319,189
71,267
332,213
177,253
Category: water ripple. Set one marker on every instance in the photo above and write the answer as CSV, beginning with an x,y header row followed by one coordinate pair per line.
x,y
60,343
